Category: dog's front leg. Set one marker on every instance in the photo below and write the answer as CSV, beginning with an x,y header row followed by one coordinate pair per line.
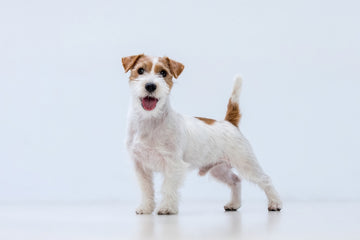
x,y
173,179
145,178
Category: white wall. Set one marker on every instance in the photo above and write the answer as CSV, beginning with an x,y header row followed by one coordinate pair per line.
x,y
64,96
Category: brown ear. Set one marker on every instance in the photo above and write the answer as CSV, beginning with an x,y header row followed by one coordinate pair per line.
x,y
175,67
129,62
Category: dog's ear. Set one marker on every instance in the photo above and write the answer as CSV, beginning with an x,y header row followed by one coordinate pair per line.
x,y
175,67
129,62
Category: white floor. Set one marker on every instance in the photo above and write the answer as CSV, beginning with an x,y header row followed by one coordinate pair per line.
x,y
336,220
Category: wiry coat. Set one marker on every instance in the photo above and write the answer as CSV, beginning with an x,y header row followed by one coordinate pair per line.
x,y
162,140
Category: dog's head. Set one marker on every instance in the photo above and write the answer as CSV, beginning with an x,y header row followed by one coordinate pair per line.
x,y
151,79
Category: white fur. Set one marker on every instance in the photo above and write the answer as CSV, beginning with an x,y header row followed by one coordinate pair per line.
x,y
236,90
155,61
165,141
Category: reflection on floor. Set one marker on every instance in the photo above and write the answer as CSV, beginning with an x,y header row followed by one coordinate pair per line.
x,y
298,220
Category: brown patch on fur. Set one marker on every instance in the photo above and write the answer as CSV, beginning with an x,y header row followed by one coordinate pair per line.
x,y
206,120
129,62
233,114
144,62
135,62
162,65
175,67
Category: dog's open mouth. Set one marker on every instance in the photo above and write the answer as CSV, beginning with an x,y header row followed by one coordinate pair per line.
x,y
149,103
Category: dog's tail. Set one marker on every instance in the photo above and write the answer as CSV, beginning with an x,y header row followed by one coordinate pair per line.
x,y
233,114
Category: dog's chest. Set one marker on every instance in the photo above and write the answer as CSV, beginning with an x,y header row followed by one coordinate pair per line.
x,y
152,149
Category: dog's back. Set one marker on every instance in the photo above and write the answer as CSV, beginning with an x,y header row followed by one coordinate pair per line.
x,y
211,141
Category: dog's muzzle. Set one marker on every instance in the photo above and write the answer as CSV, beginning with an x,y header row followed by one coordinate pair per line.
x,y
150,87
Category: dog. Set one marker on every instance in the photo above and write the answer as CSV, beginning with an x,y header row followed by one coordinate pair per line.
x,y
161,140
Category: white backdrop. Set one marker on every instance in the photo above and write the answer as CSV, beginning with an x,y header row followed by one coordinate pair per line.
x,y
64,96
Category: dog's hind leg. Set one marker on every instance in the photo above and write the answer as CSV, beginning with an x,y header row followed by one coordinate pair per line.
x,y
223,173
249,168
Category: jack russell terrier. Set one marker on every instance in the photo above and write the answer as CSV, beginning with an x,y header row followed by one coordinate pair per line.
x,y
162,140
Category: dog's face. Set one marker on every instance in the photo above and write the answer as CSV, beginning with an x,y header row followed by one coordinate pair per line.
x,y
151,79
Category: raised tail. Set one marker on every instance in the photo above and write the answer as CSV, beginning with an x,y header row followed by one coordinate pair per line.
x,y
233,114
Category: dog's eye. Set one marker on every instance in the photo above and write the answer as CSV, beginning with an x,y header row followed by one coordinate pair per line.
x,y
163,73
141,71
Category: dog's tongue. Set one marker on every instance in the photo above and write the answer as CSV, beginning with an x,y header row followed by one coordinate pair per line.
x,y
149,103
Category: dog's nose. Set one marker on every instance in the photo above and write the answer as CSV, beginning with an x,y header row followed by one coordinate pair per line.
x,y
150,87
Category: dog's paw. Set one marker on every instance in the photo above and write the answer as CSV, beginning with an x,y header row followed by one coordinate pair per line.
x,y
141,211
232,206
167,210
144,209
275,205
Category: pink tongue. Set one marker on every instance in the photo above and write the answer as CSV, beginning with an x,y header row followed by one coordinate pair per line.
x,y
149,103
